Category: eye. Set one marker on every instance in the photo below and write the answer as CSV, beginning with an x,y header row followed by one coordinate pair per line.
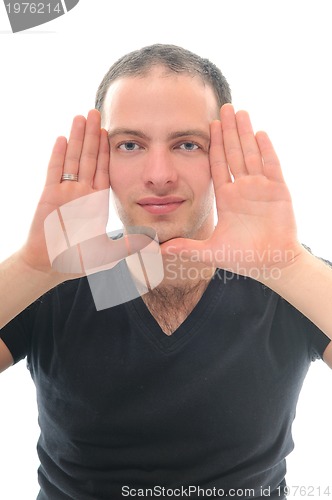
x,y
129,146
189,146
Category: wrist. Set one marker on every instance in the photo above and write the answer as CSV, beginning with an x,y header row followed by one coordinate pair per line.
x,y
296,272
46,276
20,285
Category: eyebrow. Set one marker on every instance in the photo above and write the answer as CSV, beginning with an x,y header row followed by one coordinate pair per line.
x,y
190,132
173,135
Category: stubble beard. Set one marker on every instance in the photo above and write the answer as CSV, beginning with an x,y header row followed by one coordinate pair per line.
x,y
196,226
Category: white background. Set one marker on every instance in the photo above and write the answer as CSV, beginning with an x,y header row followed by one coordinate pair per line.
x,y
277,58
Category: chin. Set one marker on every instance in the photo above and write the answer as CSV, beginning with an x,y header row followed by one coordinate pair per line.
x,y
163,240
166,234
167,231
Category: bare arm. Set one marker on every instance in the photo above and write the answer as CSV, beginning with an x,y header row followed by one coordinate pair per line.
x,y
20,285
307,285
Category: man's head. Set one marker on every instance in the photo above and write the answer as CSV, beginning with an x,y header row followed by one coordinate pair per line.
x,y
158,112
174,59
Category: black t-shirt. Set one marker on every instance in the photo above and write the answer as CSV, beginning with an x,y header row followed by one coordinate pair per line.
x,y
123,406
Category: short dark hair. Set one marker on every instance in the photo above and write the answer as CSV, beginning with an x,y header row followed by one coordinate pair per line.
x,y
175,59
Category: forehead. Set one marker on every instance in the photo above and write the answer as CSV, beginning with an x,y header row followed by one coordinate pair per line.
x,y
159,95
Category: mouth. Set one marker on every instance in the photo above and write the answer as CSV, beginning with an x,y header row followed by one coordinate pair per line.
x,y
160,206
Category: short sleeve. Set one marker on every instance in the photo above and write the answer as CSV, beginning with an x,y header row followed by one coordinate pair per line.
x,y
17,334
318,341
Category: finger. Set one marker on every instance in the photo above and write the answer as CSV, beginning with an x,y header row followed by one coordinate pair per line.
x,y
102,176
271,164
219,168
189,250
98,253
251,152
56,162
74,147
101,252
232,144
90,149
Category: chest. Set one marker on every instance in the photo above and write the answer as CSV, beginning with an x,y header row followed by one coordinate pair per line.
x,y
171,307
169,318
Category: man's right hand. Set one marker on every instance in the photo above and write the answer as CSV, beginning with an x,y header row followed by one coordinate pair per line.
x,y
86,154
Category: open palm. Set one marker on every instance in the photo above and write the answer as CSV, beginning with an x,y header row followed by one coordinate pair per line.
x,y
68,232
256,227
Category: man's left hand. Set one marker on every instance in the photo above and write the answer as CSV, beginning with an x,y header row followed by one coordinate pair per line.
x,y
256,229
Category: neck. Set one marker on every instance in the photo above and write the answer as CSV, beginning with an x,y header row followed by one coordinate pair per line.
x,y
175,297
179,274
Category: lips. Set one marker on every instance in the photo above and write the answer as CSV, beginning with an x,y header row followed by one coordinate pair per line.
x,y
161,205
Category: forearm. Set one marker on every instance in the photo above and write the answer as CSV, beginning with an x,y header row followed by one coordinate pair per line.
x,y
307,285
20,285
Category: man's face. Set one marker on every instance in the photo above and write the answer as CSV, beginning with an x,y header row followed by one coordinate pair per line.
x,y
159,141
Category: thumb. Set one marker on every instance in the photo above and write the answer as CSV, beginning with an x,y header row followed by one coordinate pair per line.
x,y
195,250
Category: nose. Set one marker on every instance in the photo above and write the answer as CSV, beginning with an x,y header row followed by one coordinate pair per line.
x,y
159,168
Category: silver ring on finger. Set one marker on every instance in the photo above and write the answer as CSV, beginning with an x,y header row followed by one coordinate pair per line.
x,y
69,177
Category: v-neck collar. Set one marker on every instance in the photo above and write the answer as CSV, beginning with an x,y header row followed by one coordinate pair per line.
x,y
194,322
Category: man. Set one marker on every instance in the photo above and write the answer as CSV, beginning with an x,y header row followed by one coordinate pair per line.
x,y
193,386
